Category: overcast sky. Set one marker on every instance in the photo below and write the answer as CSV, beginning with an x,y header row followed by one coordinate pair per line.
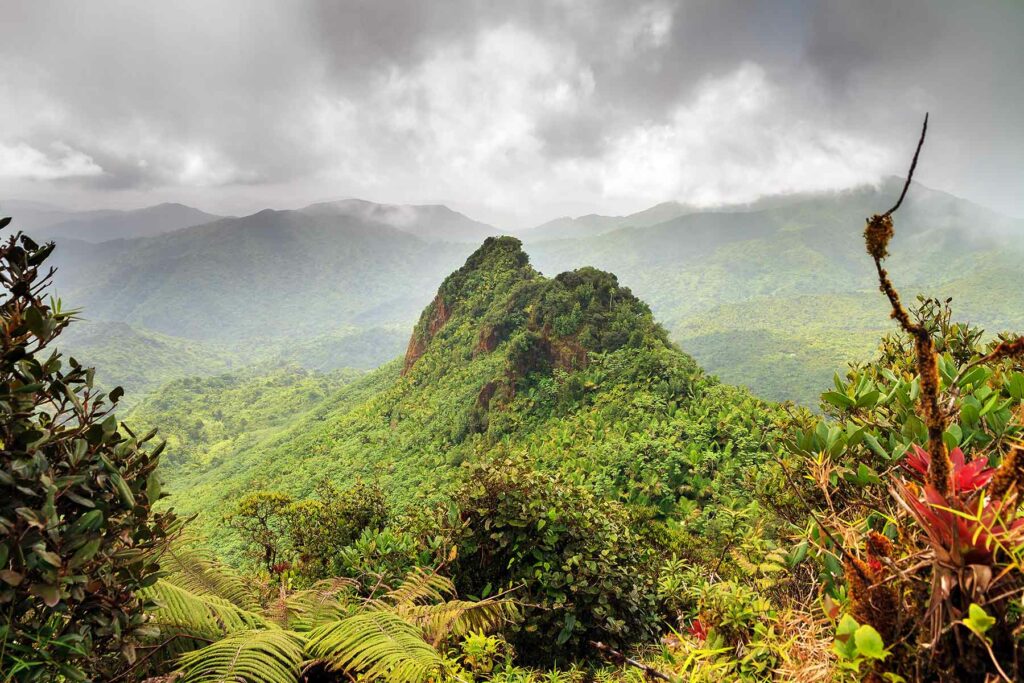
x,y
512,111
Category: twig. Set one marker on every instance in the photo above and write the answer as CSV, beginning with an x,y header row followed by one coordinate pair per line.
x,y
876,237
913,165
992,655
619,658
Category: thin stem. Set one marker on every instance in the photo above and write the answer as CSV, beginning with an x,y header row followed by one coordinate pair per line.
x,y
913,165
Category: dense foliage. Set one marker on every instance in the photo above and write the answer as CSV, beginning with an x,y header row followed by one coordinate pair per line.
x,y
573,558
78,533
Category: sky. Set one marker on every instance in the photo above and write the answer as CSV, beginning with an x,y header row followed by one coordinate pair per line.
x,y
514,112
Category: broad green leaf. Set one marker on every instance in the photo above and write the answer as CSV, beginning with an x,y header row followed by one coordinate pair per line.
x,y
869,642
978,620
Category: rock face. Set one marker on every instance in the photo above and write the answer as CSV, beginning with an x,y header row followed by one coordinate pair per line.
x,y
437,314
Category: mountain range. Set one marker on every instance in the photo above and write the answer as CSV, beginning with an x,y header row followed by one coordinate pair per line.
x,y
775,294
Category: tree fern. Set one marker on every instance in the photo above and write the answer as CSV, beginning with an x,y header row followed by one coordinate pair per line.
x,y
376,644
393,638
205,616
268,656
458,617
421,585
199,573
327,601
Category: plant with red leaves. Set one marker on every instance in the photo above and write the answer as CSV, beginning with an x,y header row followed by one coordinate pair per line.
x,y
967,525
967,476
960,530
697,630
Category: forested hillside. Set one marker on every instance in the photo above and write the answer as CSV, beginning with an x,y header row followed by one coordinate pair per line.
x,y
571,373
781,274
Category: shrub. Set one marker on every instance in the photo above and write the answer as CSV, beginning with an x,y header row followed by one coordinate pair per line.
x,y
77,527
319,528
572,557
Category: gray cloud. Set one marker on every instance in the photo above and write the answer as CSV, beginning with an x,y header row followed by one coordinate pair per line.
x,y
522,109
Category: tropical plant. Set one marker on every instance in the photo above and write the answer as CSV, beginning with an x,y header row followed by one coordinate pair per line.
x,y
318,527
327,632
259,518
79,538
909,530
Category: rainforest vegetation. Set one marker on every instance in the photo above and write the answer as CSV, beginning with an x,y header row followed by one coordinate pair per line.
x,y
545,487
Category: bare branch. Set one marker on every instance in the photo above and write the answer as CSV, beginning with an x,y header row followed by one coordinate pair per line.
x,y
913,165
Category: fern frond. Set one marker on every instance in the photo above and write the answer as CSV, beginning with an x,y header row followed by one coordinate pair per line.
x,y
420,586
205,616
376,644
199,573
325,602
273,656
458,617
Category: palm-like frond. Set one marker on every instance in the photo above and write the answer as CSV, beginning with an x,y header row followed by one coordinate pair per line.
x,y
199,573
206,616
267,656
325,602
381,639
379,645
420,586
458,617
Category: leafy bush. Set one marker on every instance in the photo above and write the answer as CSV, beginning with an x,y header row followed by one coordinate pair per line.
x,y
382,557
319,528
77,528
571,557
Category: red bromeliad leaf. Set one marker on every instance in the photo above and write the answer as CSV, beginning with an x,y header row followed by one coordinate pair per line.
x,y
697,630
956,527
967,476
916,462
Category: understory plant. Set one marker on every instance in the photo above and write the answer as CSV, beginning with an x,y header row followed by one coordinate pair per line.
x,y
211,626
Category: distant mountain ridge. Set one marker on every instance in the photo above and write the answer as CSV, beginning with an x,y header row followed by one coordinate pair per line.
x,y
431,222
106,225
272,275
594,224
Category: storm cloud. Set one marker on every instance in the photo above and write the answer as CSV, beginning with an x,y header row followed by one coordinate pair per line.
x,y
512,111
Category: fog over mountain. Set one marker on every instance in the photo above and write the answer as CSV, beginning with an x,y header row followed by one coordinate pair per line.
x,y
514,112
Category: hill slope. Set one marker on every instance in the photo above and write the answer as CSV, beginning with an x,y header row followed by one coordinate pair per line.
x,y
571,372
271,275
